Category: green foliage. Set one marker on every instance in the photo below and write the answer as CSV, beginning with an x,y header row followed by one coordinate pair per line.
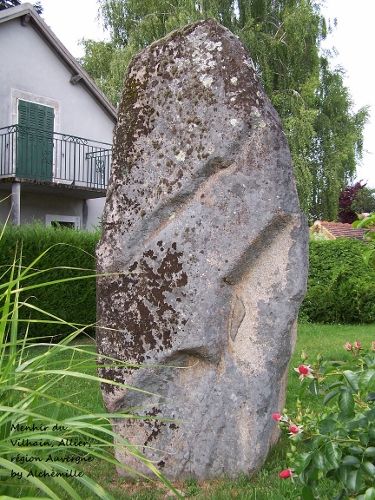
x,y
106,63
369,223
337,442
41,452
341,288
261,485
62,254
283,38
347,199
364,201
338,143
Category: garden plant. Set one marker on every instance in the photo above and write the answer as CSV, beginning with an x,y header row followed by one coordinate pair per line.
x,y
337,442
368,222
46,440
49,392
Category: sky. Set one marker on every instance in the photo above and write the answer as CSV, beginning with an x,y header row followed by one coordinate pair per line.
x,y
353,39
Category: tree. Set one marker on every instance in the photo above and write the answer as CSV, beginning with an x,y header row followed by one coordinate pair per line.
x,y
337,145
6,4
106,63
364,201
283,38
346,200
355,200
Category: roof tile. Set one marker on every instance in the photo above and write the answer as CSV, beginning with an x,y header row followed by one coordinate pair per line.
x,y
340,229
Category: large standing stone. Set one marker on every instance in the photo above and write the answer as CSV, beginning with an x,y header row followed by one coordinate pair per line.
x,y
202,211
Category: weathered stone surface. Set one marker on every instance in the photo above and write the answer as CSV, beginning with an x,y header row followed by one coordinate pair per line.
x,y
202,211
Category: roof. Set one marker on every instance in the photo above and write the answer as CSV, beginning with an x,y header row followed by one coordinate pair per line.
x,y
28,15
333,230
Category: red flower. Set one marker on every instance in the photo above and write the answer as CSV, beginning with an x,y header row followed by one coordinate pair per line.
x,y
285,473
304,371
276,416
294,429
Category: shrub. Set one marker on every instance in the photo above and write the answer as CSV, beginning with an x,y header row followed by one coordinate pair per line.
x,y
338,442
341,287
65,254
368,221
42,450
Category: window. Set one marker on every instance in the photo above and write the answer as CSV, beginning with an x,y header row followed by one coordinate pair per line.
x,y
63,220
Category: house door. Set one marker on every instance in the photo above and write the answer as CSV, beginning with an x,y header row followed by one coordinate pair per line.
x,y
34,141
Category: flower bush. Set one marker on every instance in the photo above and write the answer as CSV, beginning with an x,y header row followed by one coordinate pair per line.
x,y
337,443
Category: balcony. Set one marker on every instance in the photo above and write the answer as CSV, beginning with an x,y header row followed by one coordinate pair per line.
x,y
34,156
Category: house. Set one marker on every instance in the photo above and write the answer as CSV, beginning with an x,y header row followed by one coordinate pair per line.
x,y
331,230
56,128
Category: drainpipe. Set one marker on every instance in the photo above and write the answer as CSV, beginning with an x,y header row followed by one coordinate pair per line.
x,y
16,203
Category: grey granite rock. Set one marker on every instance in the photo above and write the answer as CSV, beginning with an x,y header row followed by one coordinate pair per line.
x,y
202,223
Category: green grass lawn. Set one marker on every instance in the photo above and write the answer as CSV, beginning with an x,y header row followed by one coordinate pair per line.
x,y
314,339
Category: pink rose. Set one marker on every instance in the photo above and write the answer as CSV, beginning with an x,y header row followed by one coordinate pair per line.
x,y
348,346
276,416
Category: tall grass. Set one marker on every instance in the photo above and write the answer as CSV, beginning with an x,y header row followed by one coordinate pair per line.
x,y
46,440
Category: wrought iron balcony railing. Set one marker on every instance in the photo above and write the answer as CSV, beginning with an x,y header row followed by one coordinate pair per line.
x,y
35,154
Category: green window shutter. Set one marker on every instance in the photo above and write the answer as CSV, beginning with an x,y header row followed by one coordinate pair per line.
x,y
35,115
35,141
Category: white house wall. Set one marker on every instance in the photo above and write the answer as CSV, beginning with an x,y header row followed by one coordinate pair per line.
x,y
29,65
31,71
5,205
35,207
32,210
95,209
49,205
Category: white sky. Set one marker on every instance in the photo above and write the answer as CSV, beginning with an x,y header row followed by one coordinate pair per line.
x,y
354,39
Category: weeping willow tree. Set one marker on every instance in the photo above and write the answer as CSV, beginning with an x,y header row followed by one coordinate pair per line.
x,y
283,38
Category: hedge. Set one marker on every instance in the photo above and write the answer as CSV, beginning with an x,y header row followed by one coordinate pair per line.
x,y
68,253
341,287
